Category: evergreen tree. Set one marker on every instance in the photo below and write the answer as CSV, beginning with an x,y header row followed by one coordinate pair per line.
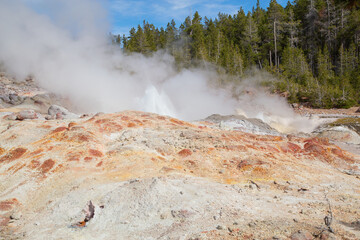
x,y
275,17
252,42
313,46
291,26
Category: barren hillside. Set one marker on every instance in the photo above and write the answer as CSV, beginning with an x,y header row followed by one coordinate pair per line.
x,y
155,177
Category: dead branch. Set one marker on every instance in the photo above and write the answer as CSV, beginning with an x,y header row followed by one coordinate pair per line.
x,y
328,219
257,186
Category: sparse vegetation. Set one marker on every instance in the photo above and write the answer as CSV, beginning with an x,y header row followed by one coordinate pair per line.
x,y
345,121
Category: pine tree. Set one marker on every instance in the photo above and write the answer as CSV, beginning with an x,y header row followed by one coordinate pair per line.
x,y
291,26
252,42
211,40
124,42
276,16
131,44
310,30
324,78
161,40
239,27
196,32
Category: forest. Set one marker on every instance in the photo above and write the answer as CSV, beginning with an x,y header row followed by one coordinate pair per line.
x,y
311,46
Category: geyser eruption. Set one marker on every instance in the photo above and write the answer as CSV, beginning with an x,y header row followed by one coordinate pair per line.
x,y
153,101
77,61
65,45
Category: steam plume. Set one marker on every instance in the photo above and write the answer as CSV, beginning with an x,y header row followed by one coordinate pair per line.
x,y
76,60
64,44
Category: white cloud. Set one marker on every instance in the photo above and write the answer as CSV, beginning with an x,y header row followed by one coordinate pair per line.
x,y
128,8
181,4
171,9
121,30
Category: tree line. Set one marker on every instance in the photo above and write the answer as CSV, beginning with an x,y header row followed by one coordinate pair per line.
x,y
312,46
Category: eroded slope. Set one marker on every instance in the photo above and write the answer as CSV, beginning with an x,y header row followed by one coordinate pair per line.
x,y
151,176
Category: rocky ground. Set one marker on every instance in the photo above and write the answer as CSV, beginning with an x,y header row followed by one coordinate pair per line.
x,y
353,111
136,175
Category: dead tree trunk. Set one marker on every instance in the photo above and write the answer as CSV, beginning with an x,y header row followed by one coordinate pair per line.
x,y
276,65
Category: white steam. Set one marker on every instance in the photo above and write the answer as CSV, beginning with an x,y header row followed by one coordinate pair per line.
x,y
153,101
274,111
64,44
75,60
271,108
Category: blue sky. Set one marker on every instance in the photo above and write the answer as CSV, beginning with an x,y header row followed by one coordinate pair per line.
x,y
125,14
